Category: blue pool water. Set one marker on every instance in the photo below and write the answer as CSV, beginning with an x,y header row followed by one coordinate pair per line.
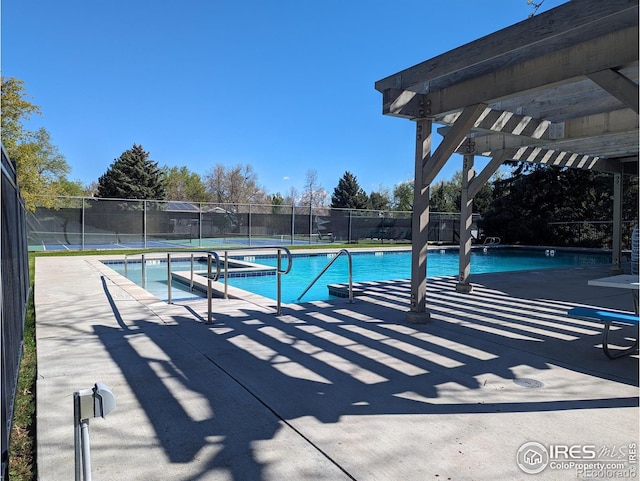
x,y
369,266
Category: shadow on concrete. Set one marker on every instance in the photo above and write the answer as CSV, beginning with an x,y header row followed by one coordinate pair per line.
x,y
203,384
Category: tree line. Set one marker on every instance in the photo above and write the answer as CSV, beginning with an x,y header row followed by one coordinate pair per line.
x,y
134,175
525,205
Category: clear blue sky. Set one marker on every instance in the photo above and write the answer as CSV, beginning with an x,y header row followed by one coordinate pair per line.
x,y
283,85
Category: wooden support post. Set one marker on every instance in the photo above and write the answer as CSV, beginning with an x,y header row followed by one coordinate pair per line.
x,y
420,225
616,242
466,218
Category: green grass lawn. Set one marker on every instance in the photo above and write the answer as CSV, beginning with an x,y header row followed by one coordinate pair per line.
x,y
22,449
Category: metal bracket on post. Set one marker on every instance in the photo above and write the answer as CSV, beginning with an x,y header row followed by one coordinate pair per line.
x,y
88,403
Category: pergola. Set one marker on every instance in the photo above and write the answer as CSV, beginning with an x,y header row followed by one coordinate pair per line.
x,y
560,88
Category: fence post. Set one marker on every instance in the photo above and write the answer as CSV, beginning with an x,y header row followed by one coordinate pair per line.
x,y
293,223
310,219
144,222
82,223
616,236
200,224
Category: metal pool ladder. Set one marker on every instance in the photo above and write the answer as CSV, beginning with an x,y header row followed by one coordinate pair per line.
x,y
212,257
279,270
342,251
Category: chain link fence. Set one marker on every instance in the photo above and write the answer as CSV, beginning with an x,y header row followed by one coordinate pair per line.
x,y
14,272
91,223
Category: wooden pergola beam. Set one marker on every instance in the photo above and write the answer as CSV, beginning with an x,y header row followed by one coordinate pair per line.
x,y
603,133
483,177
577,21
556,67
404,104
617,85
451,141
503,121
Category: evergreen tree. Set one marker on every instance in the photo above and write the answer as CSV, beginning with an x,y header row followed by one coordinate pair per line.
x,y
444,197
379,201
132,176
348,194
538,206
277,202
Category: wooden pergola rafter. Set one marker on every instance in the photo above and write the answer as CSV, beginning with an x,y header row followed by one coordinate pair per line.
x,y
560,88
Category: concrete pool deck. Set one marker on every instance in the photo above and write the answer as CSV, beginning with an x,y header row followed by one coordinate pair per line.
x,y
330,390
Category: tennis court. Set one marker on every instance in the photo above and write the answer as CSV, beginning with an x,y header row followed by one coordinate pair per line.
x,y
131,242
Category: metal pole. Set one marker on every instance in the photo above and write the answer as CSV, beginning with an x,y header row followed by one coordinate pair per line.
x,y
200,225
226,273
310,219
249,227
144,222
169,278
76,435
191,281
616,238
350,267
209,306
81,442
83,221
86,452
293,224
143,269
279,283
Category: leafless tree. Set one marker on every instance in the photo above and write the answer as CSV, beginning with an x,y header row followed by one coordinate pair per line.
x,y
313,194
235,185
292,197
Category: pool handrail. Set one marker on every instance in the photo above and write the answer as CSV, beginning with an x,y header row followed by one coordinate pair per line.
x,y
279,271
210,278
168,254
330,263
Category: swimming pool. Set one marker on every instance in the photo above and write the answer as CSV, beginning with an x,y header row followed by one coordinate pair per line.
x,y
367,266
